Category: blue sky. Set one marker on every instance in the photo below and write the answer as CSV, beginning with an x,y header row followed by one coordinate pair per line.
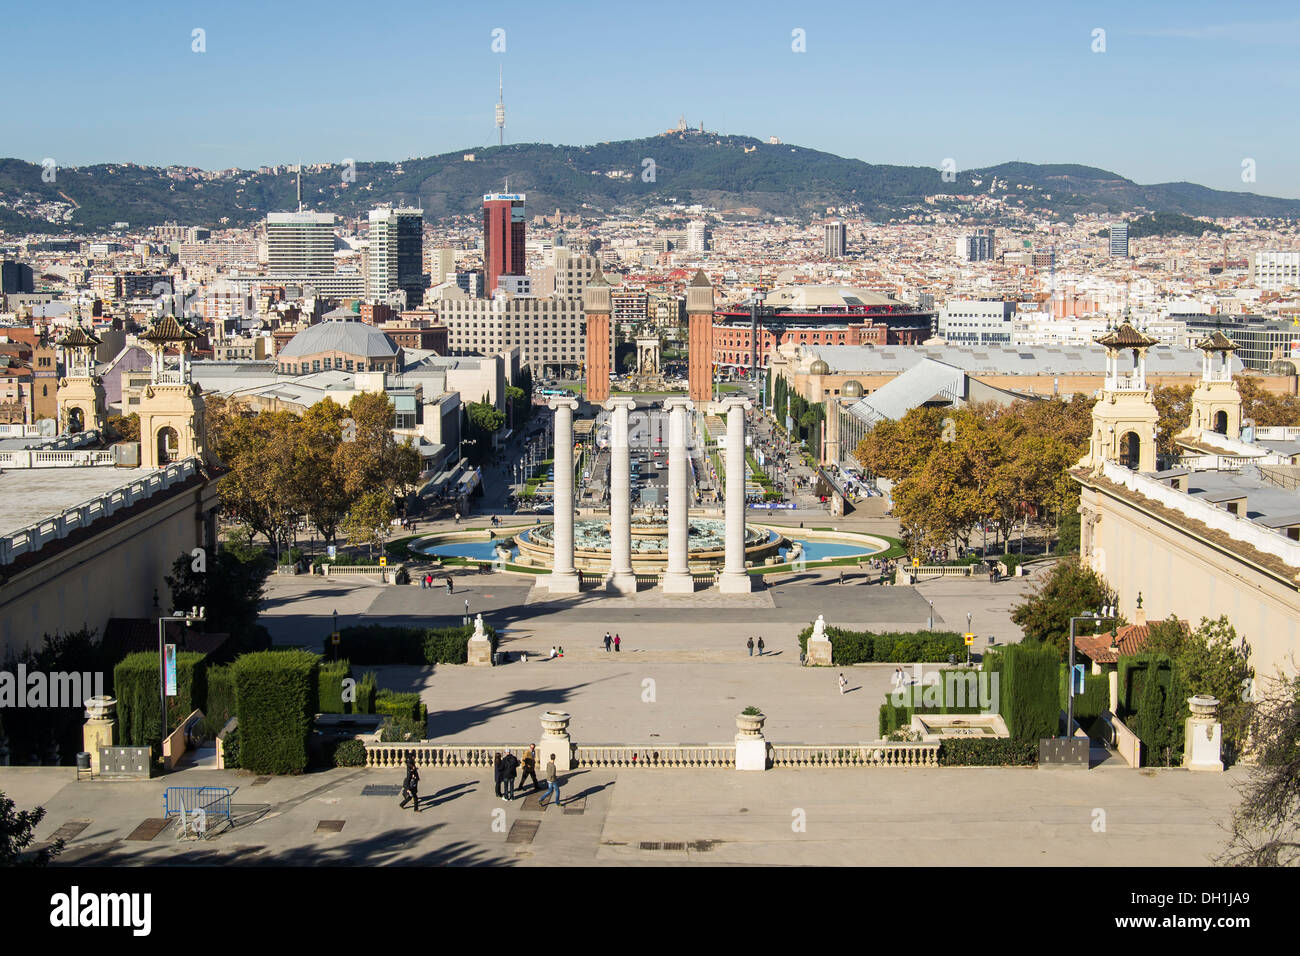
x,y
1183,91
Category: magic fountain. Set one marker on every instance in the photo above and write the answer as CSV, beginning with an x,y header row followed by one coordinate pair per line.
x,y
706,539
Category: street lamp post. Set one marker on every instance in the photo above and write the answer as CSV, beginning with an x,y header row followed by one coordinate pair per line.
x,y
1107,613
194,614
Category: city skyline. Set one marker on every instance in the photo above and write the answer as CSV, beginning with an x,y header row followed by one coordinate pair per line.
x,y
1048,92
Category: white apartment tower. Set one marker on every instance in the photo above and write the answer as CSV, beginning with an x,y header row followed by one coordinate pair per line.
x,y
300,243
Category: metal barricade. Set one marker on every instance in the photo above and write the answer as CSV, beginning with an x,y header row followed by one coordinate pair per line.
x,y
198,807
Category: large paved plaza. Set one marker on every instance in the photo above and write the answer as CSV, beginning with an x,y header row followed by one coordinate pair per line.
x,y
687,654
882,817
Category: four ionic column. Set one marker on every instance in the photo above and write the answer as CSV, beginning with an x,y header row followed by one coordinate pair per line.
x,y
564,577
733,579
677,576
622,579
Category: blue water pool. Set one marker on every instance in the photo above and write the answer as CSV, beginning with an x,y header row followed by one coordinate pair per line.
x,y
816,550
474,550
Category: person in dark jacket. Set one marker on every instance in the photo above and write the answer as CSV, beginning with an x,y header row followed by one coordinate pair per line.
x,y
411,785
496,772
509,764
530,768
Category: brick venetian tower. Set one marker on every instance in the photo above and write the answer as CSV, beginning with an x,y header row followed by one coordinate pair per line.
x,y
596,309
699,318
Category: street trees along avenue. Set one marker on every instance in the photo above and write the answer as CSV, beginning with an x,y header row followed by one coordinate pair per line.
x,y
955,468
281,466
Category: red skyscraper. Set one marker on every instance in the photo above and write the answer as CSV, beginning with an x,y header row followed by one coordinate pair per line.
x,y
503,237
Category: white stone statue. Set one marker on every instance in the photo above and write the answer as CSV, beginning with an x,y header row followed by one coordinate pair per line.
x,y
819,629
479,634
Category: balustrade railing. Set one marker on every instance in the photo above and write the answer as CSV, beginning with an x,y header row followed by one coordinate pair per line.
x,y
429,754
879,754
438,756
664,757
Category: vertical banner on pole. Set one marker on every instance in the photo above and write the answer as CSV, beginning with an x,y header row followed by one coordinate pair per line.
x,y
169,657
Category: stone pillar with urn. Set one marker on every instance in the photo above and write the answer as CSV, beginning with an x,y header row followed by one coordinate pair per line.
x,y
677,576
734,579
622,579
564,577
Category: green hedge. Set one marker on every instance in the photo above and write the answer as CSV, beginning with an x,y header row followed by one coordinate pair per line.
x,y
1028,695
897,710
376,644
406,706
276,693
998,752
329,685
904,647
135,684
350,753
220,705
1150,694
366,689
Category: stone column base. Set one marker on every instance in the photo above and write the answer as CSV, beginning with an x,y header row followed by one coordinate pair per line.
x,y
479,653
751,753
563,750
564,583
621,583
1203,745
735,582
96,734
678,582
818,654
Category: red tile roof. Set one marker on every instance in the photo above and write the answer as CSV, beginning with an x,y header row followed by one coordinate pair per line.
x,y
1131,638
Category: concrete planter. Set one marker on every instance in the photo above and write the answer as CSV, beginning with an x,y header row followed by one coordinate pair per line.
x,y
750,725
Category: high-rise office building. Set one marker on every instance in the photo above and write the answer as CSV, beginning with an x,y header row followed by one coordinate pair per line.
x,y
503,237
1273,271
697,236
300,243
835,243
979,247
442,263
16,278
1119,240
396,258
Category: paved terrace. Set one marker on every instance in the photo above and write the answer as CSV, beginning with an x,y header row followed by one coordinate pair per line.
x,y
878,817
691,647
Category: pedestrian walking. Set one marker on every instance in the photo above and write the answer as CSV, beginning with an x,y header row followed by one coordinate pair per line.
x,y
552,783
608,641
467,607
411,785
618,643
750,644
841,575
530,768
509,764
424,581
761,645
844,682
451,588
497,773
457,517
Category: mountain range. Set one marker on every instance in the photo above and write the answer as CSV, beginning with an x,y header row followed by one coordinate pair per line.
x,y
738,175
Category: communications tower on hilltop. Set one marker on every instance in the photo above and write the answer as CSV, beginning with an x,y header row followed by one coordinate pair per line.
x,y
501,107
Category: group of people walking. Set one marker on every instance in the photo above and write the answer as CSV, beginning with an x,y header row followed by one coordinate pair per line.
x,y
504,768
760,645
616,642
428,582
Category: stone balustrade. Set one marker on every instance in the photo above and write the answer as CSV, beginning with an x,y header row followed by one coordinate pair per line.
x,y
943,570
55,527
659,756
438,756
429,754
879,754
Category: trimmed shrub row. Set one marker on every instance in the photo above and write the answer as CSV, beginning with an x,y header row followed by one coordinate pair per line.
x,y
906,647
376,644
276,694
135,684
996,752
1028,692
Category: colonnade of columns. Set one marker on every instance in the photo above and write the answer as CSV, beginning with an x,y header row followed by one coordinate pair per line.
x,y
677,578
